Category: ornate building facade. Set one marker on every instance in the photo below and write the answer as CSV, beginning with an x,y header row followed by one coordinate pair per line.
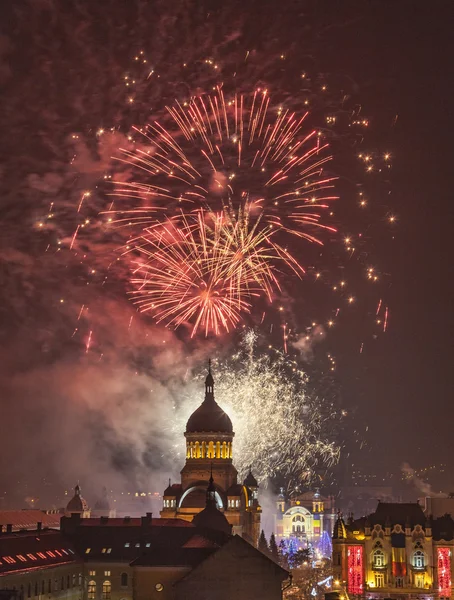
x,y
307,519
395,552
209,453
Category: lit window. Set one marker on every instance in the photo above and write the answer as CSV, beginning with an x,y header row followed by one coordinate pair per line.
x,y
379,580
64,551
36,588
379,558
59,553
124,580
106,573
74,580
70,551
109,550
106,590
147,545
419,581
159,587
87,551
137,545
127,545
22,558
91,590
92,573
9,559
418,559
41,555
103,551
31,556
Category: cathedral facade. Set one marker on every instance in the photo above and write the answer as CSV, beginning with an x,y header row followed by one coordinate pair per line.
x,y
305,519
209,453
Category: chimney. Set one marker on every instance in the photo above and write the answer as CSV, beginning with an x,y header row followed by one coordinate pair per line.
x,y
9,528
150,515
39,526
146,521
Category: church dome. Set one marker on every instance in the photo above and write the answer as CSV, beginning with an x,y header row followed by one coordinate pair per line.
x,y
209,417
103,502
210,517
77,503
250,480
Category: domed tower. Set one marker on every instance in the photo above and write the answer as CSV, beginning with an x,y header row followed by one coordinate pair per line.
x,y
102,506
209,436
78,505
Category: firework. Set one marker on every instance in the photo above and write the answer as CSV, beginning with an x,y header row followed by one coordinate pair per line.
x,y
204,267
264,167
279,428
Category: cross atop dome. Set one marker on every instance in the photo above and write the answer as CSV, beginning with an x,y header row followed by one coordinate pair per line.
x,y
209,417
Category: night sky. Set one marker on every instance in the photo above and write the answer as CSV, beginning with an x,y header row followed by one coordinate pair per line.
x,y
398,56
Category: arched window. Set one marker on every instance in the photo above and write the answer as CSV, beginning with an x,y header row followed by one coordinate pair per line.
x,y
36,588
43,587
378,558
418,559
91,590
29,590
106,590
124,580
210,452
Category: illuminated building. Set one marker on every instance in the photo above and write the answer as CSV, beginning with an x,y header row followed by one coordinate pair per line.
x,y
209,451
395,552
307,518
137,559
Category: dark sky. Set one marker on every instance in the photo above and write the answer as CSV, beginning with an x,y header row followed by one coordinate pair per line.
x,y
399,54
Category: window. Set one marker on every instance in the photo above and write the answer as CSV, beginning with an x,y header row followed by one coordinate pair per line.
x,y
91,590
41,555
103,551
43,587
106,573
418,559
55,585
49,553
124,580
147,545
106,590
379,580
109,550
92,573
49,586
399,582
62,583
378,558
67,582
36,588
127,545
80,579
22,558
159,587
419,581
137,545
29,590
87,551
31,556
58,553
